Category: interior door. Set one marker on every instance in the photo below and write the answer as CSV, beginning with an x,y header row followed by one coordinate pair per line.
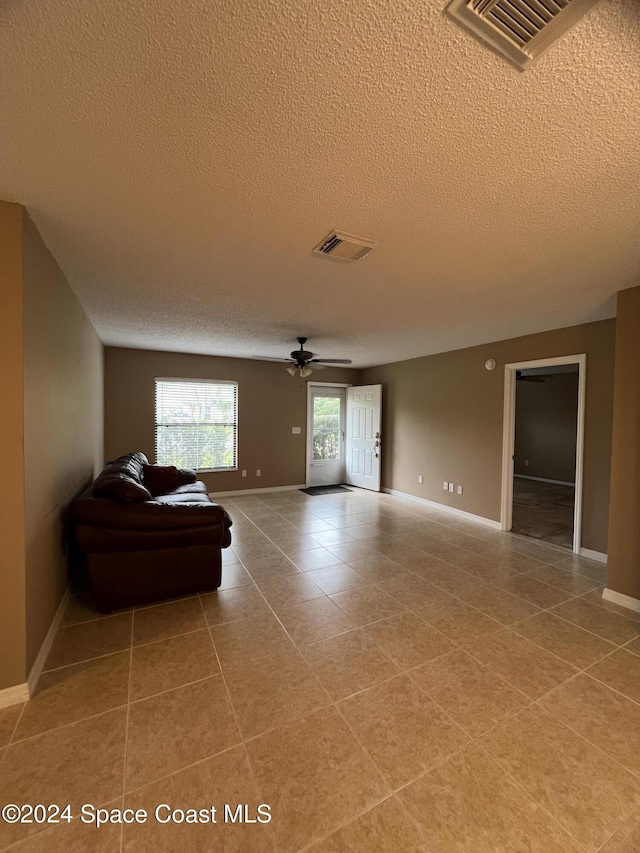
x,y
364,437
326,437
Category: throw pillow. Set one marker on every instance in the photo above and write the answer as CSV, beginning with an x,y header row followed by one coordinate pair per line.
x,y
160,480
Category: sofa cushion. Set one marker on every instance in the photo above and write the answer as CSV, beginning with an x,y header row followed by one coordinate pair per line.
x,y
154,514
160,479
189,491
186,476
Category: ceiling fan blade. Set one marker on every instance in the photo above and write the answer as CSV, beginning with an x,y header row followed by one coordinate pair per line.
x,y
330,361
270,358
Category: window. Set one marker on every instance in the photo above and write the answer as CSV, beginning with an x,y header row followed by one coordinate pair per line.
x,y
197,424
326,428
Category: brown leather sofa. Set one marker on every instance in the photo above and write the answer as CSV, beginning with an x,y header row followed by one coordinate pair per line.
x,y
139,547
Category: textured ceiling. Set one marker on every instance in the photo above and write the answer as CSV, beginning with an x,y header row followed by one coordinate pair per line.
x,y
182,159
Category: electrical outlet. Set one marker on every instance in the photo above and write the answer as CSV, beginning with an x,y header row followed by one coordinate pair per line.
x,y
420,478
244,472
445,486
258,473
296,430
451,487
459,490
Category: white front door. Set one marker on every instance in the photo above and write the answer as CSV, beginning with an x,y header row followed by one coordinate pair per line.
x,y
363,451
326,436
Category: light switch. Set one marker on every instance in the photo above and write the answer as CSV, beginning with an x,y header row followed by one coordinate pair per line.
x,y
296,430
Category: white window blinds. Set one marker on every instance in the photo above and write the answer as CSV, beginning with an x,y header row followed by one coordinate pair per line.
x,y
197,424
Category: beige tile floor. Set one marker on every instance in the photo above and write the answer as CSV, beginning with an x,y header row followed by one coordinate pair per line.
x,y
384,676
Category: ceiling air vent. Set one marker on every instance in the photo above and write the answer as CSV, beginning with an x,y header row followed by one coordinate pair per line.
x,y
344,247
521,30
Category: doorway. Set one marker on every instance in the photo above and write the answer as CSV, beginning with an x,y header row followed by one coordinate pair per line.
x,y
344,439
543,450
326,435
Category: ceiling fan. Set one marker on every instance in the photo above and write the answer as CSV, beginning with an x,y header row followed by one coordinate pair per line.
x,y
300,360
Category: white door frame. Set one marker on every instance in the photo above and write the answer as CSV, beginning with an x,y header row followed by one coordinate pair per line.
x,y
508,437
310,386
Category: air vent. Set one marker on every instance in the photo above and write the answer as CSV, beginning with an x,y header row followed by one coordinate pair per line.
x,y
344,247
521,30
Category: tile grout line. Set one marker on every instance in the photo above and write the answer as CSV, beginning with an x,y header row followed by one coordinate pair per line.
x,y
97,617
297,647
511,626
347,822
5,749
536,702
365,624
472,740
635,774
604,683
599,636
138,646
617,829
532,798
503,626
484,666
517,574
173,773
231,705
402,672
629,643
126,730
124,705
332,703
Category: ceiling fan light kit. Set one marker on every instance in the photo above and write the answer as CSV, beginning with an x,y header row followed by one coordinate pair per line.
x,y
303,371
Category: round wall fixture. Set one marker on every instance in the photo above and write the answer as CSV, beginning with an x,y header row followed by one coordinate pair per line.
x,y
490,363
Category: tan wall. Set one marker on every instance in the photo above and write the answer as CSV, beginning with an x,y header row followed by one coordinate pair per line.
x,y
442,418
12,553
63,408
546,423
270,402
623,570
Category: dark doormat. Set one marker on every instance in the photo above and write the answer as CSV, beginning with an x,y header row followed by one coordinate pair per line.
x,y
324,490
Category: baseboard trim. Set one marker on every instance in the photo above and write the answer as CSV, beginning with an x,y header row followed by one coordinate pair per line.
x,y
459,513
257,491
14,695
45,648
544,480
598,556
621,599
23,692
